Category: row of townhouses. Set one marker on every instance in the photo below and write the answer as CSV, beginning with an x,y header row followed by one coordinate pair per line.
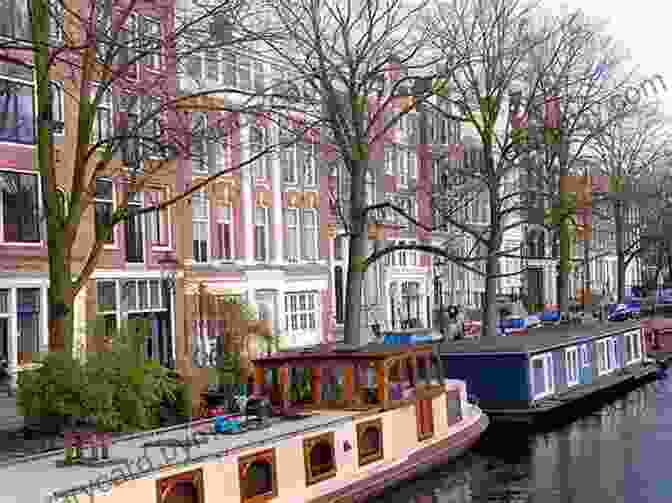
x,y
269,233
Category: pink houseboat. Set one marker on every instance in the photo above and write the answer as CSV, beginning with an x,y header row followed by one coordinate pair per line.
x,y
351,423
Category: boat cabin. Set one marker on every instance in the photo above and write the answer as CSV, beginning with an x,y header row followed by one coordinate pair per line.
x,y
348,378
517,372
348,422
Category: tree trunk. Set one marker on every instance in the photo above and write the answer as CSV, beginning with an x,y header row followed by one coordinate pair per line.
x,y
620,254
357,255
489,329
587,287
565,243
60,278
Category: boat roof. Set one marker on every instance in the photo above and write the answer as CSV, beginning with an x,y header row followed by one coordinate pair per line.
x,y
539,339
341,351
36,478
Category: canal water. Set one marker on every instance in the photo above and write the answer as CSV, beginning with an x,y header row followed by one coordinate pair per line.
x,y
620,453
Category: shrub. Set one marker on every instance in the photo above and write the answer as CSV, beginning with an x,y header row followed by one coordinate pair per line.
x,y
55,388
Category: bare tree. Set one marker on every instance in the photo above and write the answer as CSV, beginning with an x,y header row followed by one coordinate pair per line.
x,y
96,49
631,152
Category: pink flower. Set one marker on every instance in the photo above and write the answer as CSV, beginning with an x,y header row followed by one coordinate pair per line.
x,y
328,152
600,184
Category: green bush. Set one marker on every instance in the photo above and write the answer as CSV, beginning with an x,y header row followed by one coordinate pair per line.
x,y
56,388
117,388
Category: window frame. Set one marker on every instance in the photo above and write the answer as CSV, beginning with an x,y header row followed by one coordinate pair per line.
x,y
310,165
15,35
633,340
201,159
40,209
257,145
244,462
148,39
113,201
30,84
106,103
572,380
195,477
292,161
203,197
165,241
297,239
314,246
547,367
266,230
139,203
362,427
308,445
289,313
220,223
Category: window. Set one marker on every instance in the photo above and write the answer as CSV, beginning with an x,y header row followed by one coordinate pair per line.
x,y
318,455
370,441
152,114
310,165
633,348
104,207
212,65
412,165
258,477
370,189
230,69
20,207
292,219
424,416
56,90
339,293
106,307
157,221
186,487
128,41
261,234
195,66
244,72
402,255
102,123
200,224
14,19
257,145
572,366
134,238
17,121
310,235
606,355
199,126
288,163
301,315
541,376
225,233
151,33
259,82
403,171
389,161
28,321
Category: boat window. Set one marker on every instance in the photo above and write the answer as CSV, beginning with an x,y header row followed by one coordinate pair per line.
x,y
182,488
318,453
370,441
258,477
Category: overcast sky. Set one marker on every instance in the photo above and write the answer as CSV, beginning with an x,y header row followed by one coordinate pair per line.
x,y
642,26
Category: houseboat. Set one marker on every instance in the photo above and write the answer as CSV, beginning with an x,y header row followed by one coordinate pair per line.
x,y
324,425
542,375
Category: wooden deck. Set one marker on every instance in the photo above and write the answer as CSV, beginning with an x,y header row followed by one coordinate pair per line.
x,y
576,396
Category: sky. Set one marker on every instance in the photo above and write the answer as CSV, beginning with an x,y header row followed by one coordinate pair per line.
x,y
642,26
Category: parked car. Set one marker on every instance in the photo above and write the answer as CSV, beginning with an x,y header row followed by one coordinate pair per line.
x,y
622,312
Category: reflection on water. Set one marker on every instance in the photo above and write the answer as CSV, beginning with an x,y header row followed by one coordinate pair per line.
x,y
617,454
